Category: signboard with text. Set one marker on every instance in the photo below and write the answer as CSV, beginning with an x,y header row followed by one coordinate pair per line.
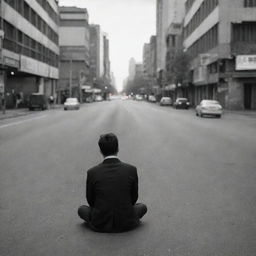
x,y
246,62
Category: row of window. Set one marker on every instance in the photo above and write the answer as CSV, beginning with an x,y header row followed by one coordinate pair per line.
x,y
189,4
204,10
208,41
244,32
28,13
18,42
249,3
47,7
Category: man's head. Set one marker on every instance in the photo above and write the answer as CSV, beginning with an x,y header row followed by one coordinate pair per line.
x,y
108,144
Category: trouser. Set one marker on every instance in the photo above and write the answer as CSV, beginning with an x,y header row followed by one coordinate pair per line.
x,y
84,211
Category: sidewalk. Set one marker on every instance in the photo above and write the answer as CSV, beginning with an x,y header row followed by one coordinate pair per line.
x,y
13,113
250,113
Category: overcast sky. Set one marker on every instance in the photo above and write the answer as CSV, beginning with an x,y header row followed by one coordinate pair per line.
x,y
128,23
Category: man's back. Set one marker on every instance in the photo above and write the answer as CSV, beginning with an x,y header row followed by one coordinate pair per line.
x,y
111,191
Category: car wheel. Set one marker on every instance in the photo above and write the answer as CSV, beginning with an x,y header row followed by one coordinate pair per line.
x,y
201,115
218,116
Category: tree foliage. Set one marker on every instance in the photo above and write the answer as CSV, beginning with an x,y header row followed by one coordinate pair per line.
x,y
179,68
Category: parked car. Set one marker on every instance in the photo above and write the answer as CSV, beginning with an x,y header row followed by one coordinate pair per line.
x,y
138,97
98,98
165,101
71,103
181,103
151,98
37,101
209,107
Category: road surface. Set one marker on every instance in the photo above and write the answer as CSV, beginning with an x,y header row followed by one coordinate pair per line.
x,y
196,175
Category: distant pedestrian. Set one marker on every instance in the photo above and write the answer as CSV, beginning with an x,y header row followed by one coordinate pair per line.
x,y
112,192
51,100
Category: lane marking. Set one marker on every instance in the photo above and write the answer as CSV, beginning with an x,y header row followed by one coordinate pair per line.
x,y
22,121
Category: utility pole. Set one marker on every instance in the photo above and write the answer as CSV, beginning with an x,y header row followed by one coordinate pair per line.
x,y
70,78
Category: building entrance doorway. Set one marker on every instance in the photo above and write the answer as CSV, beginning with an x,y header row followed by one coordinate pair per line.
x,y
247,96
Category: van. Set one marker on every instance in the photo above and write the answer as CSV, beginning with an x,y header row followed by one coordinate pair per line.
x,y
37,100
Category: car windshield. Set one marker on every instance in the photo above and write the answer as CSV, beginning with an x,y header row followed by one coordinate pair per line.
x,y
210,102
182,99
71,100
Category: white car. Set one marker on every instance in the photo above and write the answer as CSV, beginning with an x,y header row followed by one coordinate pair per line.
x,y
71,103
98,98
151,98
138,97
209,107
165,101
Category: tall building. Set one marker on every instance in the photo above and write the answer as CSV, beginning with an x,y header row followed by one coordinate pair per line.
x,y
132,69
30,49
146,59
74,51
168,11
152,70
96,52
220,36
106,60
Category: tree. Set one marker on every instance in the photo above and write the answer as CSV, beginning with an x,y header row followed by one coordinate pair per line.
x,y
178,71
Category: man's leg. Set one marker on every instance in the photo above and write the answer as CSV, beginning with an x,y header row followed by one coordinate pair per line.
x,y
140,210
84,212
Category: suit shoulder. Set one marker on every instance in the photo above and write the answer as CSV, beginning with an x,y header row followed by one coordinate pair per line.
x,y
129,166
94,169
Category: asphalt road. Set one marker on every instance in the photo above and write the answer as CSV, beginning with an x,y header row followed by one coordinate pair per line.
x,y
196,175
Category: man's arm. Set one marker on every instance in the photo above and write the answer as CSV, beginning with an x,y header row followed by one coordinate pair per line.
x,y
135,188
89,190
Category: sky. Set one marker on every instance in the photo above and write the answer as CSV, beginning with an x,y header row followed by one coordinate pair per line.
x,y
128,23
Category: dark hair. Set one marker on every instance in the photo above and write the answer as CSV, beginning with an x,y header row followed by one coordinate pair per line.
x,y
108,144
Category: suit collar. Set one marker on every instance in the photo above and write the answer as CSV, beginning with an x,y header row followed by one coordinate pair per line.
x,y
113,160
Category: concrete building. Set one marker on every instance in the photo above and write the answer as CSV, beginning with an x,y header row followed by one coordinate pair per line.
x,y
220,36
168,11
146,59
74,51
152,69
106,59
29,49
149,64
96,52
174,47
132,69
139,70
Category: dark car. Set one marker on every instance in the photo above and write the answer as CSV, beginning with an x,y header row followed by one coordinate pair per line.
x,y
37,101
181,103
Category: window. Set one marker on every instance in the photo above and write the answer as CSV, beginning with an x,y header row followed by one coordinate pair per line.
x,y
244,32
208,41
249,3
11,3
26,11
202,13
33,18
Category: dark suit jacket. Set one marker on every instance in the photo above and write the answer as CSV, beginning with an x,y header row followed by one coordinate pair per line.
x,y
111,191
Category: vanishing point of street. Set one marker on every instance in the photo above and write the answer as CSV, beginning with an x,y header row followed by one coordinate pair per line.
x,y
196,175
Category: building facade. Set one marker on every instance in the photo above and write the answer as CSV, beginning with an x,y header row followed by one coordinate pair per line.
x,y
132,69
220,37
74,52
168,11
29,49
96,52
